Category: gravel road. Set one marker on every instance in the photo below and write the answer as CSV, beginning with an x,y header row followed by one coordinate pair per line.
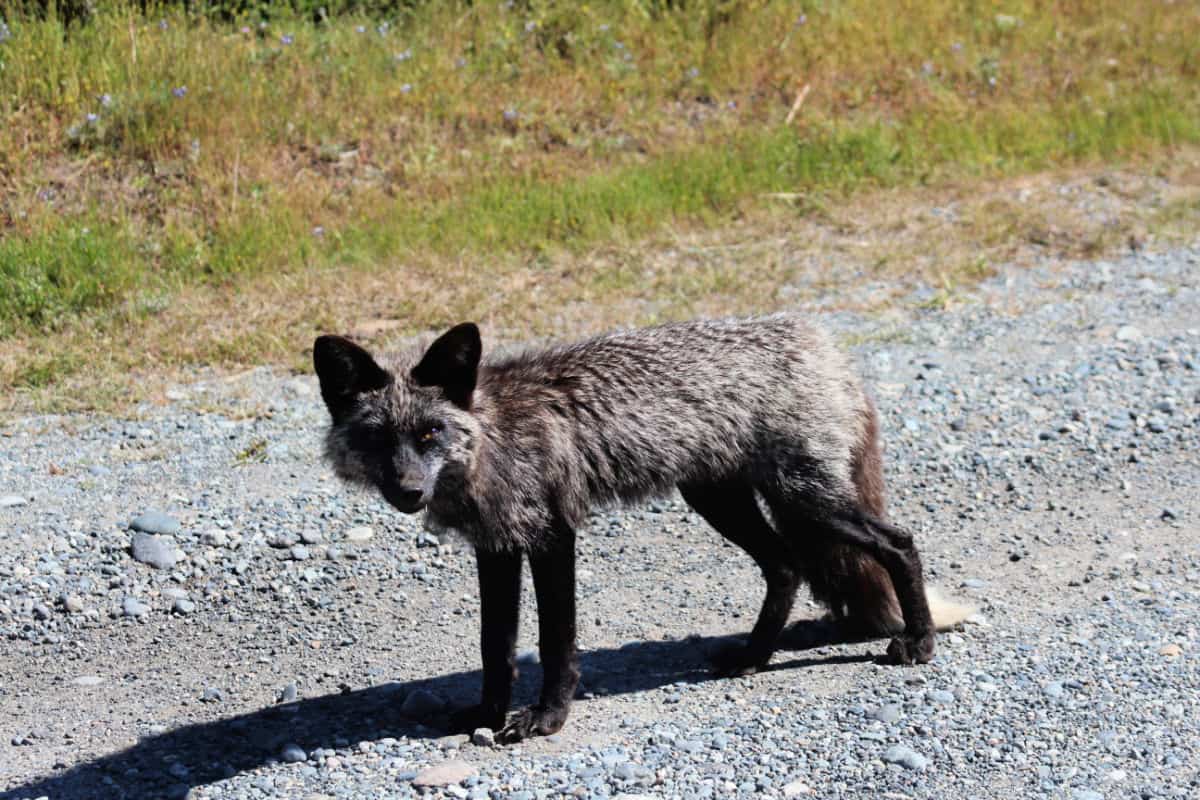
x,y
269,633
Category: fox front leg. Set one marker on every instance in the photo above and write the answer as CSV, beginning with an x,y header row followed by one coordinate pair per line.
x,y
553,568
500,607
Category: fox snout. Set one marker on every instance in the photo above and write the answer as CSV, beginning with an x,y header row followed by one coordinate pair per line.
x,y
408,500
406,488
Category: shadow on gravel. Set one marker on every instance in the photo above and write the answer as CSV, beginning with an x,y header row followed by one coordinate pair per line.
x,y
170,764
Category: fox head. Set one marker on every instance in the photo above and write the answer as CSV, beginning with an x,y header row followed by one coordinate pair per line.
x,y
405,429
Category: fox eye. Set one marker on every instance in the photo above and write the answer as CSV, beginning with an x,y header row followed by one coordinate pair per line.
x,y
429,434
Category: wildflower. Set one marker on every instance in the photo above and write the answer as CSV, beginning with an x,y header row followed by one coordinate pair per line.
x,y
106,100
406,88
361,29
956,47
732,105
927,67
530,26
510,115
245,29
287,39
619,45
318,231
693,73
5,33
162,25
179,91
405,56
460,62
92,119
383,28
604,28
802,19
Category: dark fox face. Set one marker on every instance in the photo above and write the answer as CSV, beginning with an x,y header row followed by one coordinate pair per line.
x,y
402,430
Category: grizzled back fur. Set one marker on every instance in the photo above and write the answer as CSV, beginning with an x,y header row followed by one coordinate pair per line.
x,y
530,440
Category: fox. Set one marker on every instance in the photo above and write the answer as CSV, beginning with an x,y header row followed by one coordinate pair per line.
x,y
759,423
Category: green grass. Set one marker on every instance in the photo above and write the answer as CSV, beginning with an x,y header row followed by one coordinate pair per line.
x,y
476,132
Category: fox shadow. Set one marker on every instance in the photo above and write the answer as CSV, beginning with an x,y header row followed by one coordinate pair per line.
x,y
170,764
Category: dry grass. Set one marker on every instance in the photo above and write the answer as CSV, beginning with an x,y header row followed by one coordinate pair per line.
x,y
547,168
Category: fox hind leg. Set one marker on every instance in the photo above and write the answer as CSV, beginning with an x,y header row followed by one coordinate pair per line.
x,y
731,508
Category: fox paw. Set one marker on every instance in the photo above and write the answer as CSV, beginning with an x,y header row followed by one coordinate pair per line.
x,y
736,661
532,721
911,649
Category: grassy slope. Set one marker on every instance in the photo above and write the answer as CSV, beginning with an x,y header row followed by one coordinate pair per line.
x,y
461,149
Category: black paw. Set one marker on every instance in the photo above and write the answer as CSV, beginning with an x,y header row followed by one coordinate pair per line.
x,y
466,720
736,661
909,648
532,721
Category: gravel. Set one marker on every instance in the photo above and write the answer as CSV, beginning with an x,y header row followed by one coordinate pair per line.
x,y
1042,437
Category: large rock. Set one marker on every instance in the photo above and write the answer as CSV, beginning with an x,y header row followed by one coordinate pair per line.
x,y
421,704
448,773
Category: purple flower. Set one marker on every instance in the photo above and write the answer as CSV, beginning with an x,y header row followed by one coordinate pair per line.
x,y
406,88
510,115
460,62
361,29
405,56
179,91
286,39
800,20
693,73
245,29
106,100
162,25
92,119
927,67
530,26
383,28
956,47
318,231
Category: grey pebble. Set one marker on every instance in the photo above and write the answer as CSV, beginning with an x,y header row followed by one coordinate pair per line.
x,y
155,522
182,605
154,551
293,754
905,757
132,607
888,715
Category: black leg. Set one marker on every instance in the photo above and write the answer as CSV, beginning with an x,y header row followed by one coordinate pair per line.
x,y
554,584
733,511
500,606
894,548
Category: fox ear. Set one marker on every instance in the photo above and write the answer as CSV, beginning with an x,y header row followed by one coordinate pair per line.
x,y
345,371
452,363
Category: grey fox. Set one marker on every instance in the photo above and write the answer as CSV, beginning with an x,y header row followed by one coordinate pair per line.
x,y
760,423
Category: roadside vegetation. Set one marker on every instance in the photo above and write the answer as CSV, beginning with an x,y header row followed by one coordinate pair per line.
x,y
179,189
